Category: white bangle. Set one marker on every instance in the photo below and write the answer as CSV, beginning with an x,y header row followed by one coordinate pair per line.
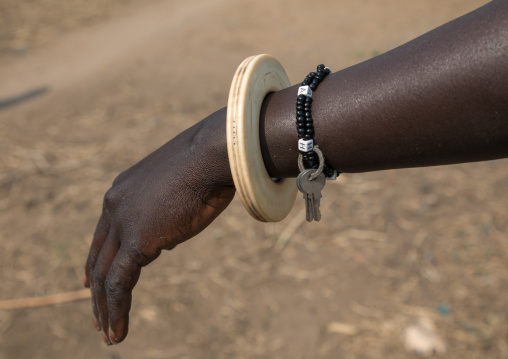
x,y
265,199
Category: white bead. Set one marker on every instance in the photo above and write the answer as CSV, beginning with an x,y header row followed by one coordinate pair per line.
x,y
305,90
305,145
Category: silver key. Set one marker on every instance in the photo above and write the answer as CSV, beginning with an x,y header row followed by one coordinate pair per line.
x,y
311,190
308,204
312,193
314,188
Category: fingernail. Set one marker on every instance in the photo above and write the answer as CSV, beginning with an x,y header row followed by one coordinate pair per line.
x,y
112,336
106,339
96,323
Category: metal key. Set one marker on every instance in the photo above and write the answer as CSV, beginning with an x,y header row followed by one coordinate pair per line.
x,y
311,190
314,188
308,214
312,193
308,208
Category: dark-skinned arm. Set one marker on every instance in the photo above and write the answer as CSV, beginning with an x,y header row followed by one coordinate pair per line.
x,y
439,99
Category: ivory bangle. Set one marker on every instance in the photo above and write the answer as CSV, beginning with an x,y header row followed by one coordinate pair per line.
x,y
265,199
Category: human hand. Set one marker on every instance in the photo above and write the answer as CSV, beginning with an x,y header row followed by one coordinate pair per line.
x,y
165,199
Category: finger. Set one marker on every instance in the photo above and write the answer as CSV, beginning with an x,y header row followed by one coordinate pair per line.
x,y
100,235
122,278
98,277
95,311
98,240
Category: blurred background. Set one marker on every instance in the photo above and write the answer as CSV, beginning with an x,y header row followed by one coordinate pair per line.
x,y
88,88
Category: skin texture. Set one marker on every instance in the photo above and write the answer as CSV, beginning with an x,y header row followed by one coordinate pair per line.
x,y
439,99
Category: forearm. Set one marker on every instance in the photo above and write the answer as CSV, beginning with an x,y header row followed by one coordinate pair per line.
x,y
439,99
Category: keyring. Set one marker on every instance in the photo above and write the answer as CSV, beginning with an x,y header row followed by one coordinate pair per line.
x,y
319,170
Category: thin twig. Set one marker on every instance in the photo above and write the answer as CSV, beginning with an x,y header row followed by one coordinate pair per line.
x,y
46,300
290,229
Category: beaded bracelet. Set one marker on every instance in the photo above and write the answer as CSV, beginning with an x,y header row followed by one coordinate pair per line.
x,y
304,122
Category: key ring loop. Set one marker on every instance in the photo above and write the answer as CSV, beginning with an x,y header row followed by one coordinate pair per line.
x,y
321,163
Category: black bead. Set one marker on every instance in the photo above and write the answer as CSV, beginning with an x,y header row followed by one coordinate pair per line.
x,y
301,130
300,103
300,107
329,172
309,125
308,101
308,136
313,74
307,108
320,67
315,81
311,153
301,119
327,71
301,125
308,119
301,97
305,83
307,114
313,86
310,131
301,136
300,113
320,77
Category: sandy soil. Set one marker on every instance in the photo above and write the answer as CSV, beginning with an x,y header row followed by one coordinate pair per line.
x,y
89,88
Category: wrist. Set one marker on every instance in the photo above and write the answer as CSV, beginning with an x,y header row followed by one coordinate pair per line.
x,y
278,139
209,147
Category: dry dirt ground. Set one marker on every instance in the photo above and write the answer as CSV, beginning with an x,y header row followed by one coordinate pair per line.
x,y
102,83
